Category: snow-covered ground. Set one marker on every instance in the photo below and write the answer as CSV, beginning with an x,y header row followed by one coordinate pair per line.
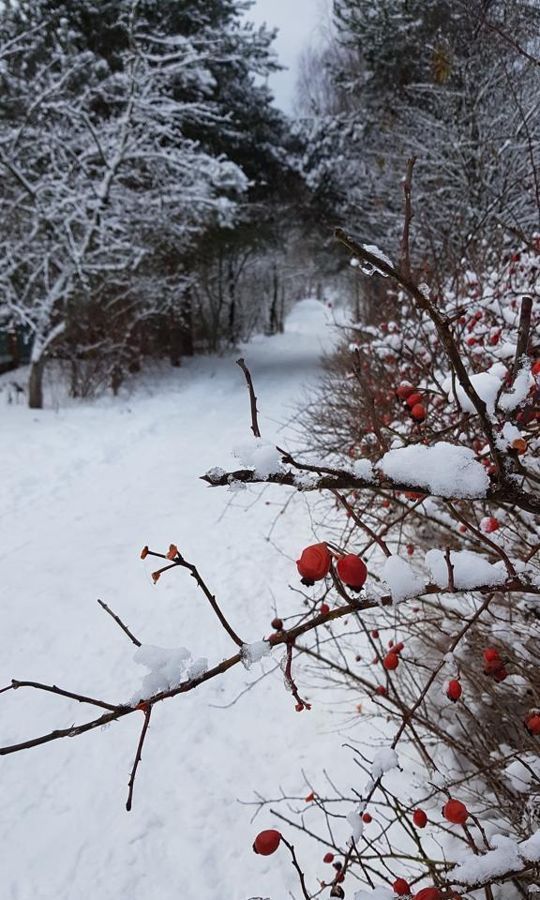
x,y
83,489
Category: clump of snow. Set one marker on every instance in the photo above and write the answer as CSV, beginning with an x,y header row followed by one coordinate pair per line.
x,y
385,760
520,773
216,473
530,849
402,580
261,456
252,653
166,669
470,569
362,468
509,433
520,389
368,268
486,384
504,858
443,469
355,821
377,893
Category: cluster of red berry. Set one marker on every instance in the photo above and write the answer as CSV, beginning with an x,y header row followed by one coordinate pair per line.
x,y
316,561
413,399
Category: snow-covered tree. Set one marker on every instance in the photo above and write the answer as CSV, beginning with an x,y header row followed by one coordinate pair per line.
x,y
124,137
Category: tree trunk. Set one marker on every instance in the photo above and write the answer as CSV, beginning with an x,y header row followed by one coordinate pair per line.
x,y
35,384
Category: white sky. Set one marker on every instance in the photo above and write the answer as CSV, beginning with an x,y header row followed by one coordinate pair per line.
x,y
298,21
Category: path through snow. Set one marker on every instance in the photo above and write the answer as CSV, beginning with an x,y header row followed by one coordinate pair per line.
x,y
82,490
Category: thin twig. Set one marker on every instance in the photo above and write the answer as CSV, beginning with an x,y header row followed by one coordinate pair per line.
x,y
119,622
252,398
138,756
405,261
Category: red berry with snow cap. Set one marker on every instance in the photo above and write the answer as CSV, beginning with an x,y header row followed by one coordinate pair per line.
x,y
401,887
352,571
454,690
314,563
419,818
489,524
267,842
456,812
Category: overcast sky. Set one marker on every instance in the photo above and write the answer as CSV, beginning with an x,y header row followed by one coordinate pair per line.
x,y
297,21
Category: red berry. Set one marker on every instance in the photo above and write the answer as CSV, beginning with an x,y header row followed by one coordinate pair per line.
x,y
418,412
399,647
532,724
328,857
391,660
413,399
456,812
419,818
277,624
352,571
404,390
500,675
381,690
374,633
471,341
401,887
489,524
367,818
310,797
314,563
491,654
325,609
454,690
410,549
536,368
431,893
390,643
267,842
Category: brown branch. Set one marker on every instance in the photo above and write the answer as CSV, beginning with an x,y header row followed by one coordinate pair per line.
x,y
252,398
119,622
182,563
336,479
138,756
443,330
523,332
297,867
53,689
405,259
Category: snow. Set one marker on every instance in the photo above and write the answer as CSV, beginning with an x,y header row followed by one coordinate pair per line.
x,y
259,455
470,569
367,268
166,668
84,487
530,849
520,389
487,385
252,653
504,858
443,469
384,761
378,893
402,580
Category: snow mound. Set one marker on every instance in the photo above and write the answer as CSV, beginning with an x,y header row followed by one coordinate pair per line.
x,y
259,455
402,580
443,469
166,669
470,569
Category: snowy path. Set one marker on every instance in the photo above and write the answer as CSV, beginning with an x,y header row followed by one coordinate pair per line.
x,y
82,490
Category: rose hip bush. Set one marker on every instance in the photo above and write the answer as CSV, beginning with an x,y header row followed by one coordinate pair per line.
x,y
420,599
